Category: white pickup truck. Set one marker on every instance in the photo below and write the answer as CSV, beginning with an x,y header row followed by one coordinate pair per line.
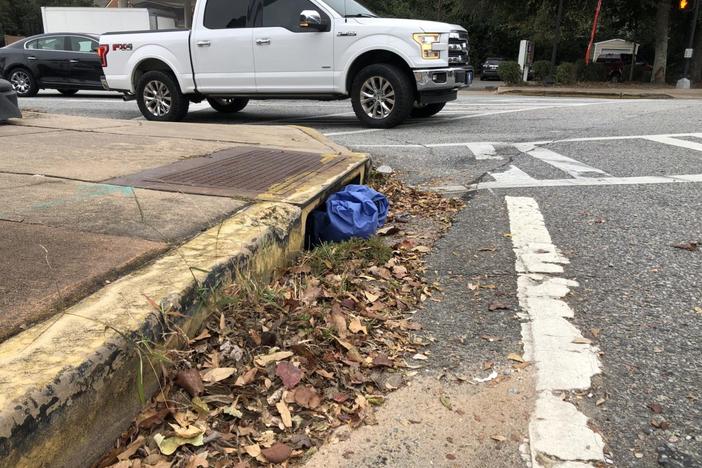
x,y
239,50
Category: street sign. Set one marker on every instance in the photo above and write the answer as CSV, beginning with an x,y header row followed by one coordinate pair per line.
x,y
689,53
526,56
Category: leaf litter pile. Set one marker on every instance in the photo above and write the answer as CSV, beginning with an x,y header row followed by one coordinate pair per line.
x,y
279,366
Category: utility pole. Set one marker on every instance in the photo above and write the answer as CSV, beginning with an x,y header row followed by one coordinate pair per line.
x,y
557,35
588,54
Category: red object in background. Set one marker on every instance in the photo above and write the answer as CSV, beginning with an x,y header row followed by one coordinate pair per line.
x,y
594,31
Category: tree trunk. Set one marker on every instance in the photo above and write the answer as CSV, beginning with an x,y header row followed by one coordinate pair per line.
x,y
697,59
662,30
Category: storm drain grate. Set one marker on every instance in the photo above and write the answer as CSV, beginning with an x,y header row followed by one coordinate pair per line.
x,y
238,172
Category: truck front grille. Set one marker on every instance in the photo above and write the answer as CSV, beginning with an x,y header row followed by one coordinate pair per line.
x,y
458,48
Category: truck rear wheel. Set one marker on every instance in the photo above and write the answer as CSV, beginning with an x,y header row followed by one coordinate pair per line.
x,y
160,99
382,96
428,110
228,105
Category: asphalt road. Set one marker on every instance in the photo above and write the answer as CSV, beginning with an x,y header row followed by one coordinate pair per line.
x,y
616,191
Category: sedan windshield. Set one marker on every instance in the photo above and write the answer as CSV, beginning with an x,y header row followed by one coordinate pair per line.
x,y
350,9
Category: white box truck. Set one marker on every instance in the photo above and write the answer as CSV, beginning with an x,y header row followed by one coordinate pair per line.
x,y
94,20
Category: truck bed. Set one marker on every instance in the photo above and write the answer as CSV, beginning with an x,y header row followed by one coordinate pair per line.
x,y
128,49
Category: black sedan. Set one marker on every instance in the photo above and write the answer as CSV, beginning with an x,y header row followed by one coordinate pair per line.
x,y
66,62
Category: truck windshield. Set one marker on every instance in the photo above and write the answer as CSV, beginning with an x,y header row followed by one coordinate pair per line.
x,y
350,9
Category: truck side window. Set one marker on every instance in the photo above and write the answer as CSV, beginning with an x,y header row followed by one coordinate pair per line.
x,y
286,13
226,14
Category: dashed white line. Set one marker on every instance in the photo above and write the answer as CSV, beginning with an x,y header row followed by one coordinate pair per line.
x,y
559,435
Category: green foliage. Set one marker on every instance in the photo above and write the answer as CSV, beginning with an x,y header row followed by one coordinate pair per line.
x,y
566,73
23,17
328,256
591,72
542,70
510,73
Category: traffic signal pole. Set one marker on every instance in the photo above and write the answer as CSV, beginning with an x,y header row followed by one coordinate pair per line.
x,y
691,43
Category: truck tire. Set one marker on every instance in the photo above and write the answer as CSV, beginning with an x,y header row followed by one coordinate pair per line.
x,y
228,105
160,99
23,82
382,96
428,110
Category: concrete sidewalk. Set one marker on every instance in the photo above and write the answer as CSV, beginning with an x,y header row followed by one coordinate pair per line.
x,y
85,258
608,92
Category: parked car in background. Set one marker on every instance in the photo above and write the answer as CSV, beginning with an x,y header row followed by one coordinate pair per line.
x,y
8,102
67,62
490,68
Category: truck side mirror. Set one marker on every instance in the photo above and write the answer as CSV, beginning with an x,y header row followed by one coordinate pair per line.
x,y
311,19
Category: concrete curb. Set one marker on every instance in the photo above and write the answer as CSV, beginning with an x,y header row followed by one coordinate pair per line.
x,y
594,93
68,387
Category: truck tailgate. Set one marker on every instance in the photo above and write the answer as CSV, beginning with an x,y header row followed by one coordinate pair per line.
x,y
126,51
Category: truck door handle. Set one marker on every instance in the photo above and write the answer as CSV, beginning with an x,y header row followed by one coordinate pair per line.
x,y
263,41
73,61
204,43
31,57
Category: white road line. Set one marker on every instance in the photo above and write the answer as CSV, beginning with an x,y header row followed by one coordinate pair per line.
x,y
512,183
483,151
473,116
513,175
545,142
568,165
676,142
559,434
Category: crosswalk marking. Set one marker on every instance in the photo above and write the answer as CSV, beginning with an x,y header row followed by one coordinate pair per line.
x,y
568,165
483,151
676,142
514,175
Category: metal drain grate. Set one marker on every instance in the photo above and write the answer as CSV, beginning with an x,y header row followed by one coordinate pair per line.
x,y
238,172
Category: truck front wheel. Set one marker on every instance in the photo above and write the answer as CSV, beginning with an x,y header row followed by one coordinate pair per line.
x,y
228,105
160,99
382,96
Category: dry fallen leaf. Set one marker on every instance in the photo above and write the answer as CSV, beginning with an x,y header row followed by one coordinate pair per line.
x,y
582,340
190,380
689,246
218,374
168,446
288,373
498,306
355,326
253,450
307,397
265,359
498,438
515,357
278,453
284,412
187,432
246,378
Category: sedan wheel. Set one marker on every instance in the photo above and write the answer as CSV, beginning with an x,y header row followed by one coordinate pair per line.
x,y
23,83
157,98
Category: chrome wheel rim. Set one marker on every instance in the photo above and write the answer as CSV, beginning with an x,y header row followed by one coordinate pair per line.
x,y
21,82
377,98
157,98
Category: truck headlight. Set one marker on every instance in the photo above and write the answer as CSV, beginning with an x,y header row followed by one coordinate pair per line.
x,y
426,42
